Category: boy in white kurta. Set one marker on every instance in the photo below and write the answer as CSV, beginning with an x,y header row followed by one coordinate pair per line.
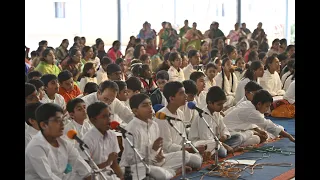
x,y
211,71
172,141
191,91
148,142
200,98
227,81
175,72
290,93
199,132
249,116
30,118
78,119
51,88
270,80
103,144
107,93
194,60
47,155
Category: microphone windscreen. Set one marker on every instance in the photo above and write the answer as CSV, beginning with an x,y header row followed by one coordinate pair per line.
x,y
71,133
157,107
114,124
191,105
160,115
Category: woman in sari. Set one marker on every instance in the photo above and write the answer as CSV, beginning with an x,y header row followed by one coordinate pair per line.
x,y
193,37
170,37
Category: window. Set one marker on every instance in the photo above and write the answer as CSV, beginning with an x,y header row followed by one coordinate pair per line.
x,y
60,9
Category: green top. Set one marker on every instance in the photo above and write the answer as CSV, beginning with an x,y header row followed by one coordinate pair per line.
x,y
46,68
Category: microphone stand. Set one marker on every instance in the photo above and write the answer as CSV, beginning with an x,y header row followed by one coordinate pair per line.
x,y
216,166
95,168
138,154
185,141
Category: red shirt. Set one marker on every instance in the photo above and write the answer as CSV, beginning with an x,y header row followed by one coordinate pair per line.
x,y
246,56
68,95
113,55
151,50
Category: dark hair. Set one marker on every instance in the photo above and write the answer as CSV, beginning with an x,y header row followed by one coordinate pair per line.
x,y
121,84
162,75
222,73
252,86
149,40
194,76
136,69
290,64
215,94
228,49
90,87
76,38
144,68
47,78
283,41
43,42
37,83
85,50
72,52
192,53
252,56
171,89
105,61
163,48
119,61
275,41
262,96
144,57
134,84
33,74
166,56
261,55
112,68
83,38
289,47
73,103
64,41
137,41
108,85
190,87
34,53
173,56
115,42
214,53
183,54
45,111
136,52
282,57
45,53
250,71
29,89
253,43
95,109
211,65
98,41
30,111
270,60
137,99
64,76
86,68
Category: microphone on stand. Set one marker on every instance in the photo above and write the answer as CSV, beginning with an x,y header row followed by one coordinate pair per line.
x,y
116,126
163,116
72,134
192,105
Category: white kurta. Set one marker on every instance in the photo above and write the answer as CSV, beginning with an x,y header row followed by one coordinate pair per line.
x,y
209,84
85,80
284,77
81,130
245,117
272,83
43,161
101,76
200,134
188,113
29,133
187,71
290,93
164,101
201,99
143,136
100,146
240,91
172,141
116,107
287,83
174,75
58,99
229,89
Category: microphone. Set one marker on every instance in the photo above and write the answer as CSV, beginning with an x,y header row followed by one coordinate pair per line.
x,y
116,126
192,105
72,134
163,116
